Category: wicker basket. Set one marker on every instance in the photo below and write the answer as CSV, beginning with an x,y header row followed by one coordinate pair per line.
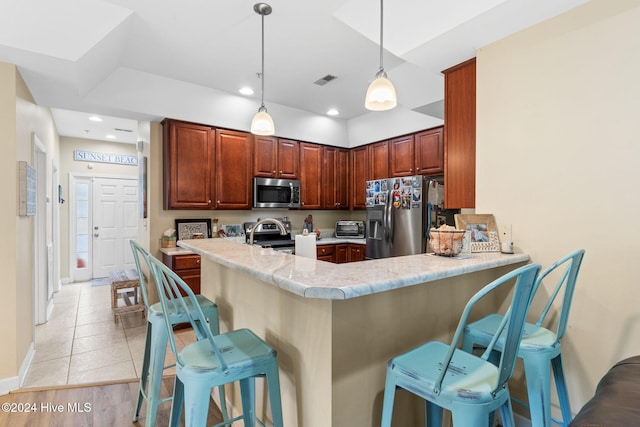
x,y
446,243
168,242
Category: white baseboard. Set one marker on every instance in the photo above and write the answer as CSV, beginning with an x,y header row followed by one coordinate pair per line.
x,y
10,384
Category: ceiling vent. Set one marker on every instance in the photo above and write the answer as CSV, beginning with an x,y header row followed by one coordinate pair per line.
x,y
326,79
123,130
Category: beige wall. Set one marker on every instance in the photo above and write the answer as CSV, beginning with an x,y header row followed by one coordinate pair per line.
x,y
20,119
558,157
70,166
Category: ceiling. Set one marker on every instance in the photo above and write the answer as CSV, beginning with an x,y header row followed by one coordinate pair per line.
x,y
103,57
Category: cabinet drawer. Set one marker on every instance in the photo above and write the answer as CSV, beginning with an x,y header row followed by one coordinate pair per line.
x,y
186,261
325,250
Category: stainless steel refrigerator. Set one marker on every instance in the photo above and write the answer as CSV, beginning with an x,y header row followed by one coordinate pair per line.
x,y
398,216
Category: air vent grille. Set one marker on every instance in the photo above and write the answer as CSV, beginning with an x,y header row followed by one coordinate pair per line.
x,y
123,130
324,80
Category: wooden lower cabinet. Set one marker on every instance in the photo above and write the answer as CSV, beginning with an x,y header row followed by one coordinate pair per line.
x,y
356,252
326,253
187,266
341,253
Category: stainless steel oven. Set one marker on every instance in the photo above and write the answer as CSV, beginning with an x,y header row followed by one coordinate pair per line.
x,y
276,193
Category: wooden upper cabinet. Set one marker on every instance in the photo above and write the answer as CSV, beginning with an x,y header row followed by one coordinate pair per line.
x,y
265,159
335,188
379,158
429,152
288,158
460,135
311,175
359,170
401,156
188,165
342,178
233,169
276,157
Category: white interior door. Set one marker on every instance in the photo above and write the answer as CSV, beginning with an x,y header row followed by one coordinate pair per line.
x,y
115,223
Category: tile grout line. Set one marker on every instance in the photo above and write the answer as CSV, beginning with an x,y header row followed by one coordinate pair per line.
x,y
73,338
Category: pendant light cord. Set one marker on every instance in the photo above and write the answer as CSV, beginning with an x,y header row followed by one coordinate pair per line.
x,y
381,15
262,75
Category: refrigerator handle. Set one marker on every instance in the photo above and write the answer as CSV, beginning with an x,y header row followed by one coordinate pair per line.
x,y
388,220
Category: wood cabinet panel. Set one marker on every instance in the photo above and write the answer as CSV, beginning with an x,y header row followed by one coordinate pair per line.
x,y
233,169
359,169
342,253
335,174
187,266
401,156
429,151
460,135
356,252
276,157
379,158
326,253
288,158
265,159
188,165
311,175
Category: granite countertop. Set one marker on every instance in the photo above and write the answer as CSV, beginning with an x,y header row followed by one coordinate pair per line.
x,y
338,240
311,278
175,251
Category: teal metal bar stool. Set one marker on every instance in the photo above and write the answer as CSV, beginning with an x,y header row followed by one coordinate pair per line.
x,y
156,342
214,360
540,348
446,377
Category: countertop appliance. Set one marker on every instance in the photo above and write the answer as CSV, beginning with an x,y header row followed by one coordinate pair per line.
x,y
267,235
400,211
350,229
276,193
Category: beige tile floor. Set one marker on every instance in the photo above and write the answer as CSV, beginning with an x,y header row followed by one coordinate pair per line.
x,y
82,344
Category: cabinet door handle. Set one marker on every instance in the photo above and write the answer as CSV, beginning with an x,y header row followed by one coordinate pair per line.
x,y
209,201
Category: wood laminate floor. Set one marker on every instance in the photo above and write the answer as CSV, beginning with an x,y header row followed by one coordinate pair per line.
x,y
93,405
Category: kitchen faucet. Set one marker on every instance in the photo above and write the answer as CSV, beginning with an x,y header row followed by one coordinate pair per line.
x,y
283,230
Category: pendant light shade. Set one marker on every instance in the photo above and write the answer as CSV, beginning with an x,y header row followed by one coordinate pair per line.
x,y
262,123
381,94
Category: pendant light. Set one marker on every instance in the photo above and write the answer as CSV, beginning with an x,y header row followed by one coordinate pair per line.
x,y
381,94
262,123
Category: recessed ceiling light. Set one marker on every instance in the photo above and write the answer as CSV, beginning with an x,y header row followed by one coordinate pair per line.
x,y
110,136
333,112
246,91
95,119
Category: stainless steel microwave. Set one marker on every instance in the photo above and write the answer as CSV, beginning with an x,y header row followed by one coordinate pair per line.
x,y
276,193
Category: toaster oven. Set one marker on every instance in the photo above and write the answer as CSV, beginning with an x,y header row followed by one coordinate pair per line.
x,y
350,229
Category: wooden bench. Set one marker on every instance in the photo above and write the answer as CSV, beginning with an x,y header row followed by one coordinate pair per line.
x,y
125,286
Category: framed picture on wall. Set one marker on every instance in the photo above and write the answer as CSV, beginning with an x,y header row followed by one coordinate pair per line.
x,y
193,228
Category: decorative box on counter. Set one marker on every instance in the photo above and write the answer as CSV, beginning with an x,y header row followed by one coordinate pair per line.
x,y
168,242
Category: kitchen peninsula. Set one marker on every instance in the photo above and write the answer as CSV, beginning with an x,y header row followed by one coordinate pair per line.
x,y
336,326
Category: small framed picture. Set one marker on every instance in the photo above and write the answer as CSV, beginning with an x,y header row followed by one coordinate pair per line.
x,y
193,228
484,233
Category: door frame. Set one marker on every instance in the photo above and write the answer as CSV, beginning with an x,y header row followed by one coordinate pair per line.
x,y
73,178
42,288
